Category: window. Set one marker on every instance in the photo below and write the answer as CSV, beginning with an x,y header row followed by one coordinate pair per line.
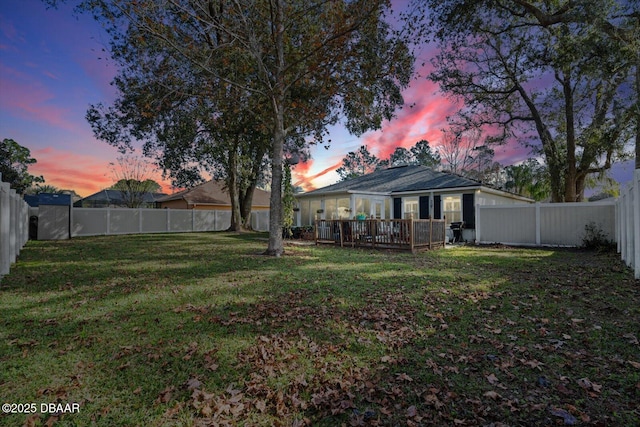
x,y
452,209
343,208
411,208
330,209
363,206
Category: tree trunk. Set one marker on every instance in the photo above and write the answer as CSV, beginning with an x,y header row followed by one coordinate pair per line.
x,y
276,245
571,174
246,202
246,197
581,182
233,187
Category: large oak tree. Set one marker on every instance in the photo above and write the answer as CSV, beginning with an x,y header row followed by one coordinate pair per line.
x,y
308,63
546,72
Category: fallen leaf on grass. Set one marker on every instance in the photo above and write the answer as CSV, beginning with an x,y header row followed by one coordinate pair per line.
x,y
562,388
569,419
260,405
492,395
634,364
536,364
493,380
411,411
632,339
589,386
193,384
404,377
32,420
165,395
52,421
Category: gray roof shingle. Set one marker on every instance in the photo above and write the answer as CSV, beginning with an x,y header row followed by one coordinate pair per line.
x,y
397,180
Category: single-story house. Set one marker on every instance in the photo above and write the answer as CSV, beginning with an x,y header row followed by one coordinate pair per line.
x,y
116,199
402,192
211,196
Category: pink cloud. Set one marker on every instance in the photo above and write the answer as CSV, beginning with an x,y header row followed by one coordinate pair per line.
x,y
31,100
82,173
9,31
307,182
424,118
51,75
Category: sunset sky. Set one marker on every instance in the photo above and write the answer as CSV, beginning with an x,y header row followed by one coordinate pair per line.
x,y
52,67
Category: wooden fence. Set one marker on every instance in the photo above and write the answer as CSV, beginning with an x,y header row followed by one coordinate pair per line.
x,y
403,234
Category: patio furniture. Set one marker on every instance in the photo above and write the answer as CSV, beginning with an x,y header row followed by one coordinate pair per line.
x,y
456,228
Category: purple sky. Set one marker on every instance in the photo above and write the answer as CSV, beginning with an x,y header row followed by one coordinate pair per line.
x,y
52,68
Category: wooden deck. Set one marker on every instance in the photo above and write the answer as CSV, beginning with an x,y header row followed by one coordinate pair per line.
x,y
403,234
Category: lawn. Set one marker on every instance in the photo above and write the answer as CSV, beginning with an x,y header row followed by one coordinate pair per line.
x,y
201,329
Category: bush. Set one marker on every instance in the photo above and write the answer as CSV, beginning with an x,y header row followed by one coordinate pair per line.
x,y
296,232
596,239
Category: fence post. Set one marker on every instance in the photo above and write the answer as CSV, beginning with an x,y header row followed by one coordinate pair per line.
x,y
13,218
636,223
5,224
618,222
623,225
411,242
478,226
538,225
629,256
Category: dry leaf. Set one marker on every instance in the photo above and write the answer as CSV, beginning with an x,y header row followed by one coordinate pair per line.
x,y
492,379
634,364
411,411
193,384
492,394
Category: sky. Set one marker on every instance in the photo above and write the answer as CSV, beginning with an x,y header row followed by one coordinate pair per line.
x,y
53,67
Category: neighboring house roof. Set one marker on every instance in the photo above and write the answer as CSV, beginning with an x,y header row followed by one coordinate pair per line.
x,y
115,197
213,193
398,179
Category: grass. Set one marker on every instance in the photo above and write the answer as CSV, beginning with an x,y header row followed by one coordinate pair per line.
x,y
200,329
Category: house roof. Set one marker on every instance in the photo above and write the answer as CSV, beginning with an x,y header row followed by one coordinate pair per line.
x,y
213,193
399,179
115,196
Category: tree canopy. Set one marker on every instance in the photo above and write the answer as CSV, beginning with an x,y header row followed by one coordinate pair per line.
x,y
546,73
303,64
361,162
358,163
14,164
132,180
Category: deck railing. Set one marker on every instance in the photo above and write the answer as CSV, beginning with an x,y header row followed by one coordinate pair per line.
x,y
405,234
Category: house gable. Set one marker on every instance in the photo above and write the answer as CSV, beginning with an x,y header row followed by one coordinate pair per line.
x,y
211,195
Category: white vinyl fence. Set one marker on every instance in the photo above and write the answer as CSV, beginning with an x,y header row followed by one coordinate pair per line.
x,y
14,226
105,221
543,224
628,224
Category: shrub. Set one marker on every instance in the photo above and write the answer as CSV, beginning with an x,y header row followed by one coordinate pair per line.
x,y
596,239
